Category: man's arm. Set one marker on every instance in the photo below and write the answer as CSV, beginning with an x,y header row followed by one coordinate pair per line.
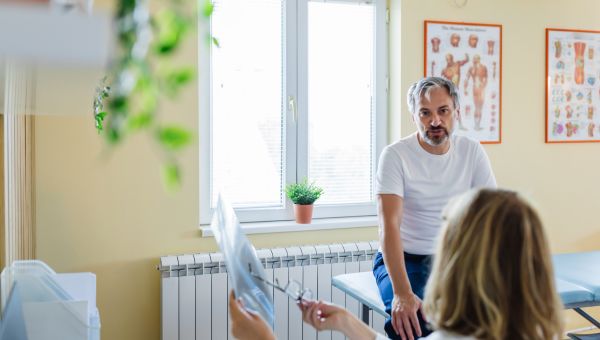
x,y
390,213
405,304
483,175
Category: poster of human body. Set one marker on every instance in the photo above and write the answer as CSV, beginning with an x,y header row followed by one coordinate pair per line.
x,y
469,55
572,86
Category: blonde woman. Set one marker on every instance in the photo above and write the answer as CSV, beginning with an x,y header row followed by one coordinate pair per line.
x,y
491,278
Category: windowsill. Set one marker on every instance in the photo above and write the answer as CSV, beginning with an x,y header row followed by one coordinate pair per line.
x,y
289,226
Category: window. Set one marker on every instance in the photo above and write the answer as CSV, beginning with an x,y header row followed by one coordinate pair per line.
x,y
296,89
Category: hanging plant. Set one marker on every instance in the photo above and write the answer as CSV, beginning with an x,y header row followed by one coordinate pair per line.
x,y
128,99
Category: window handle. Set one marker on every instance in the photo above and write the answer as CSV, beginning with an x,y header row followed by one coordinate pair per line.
x,y
292,107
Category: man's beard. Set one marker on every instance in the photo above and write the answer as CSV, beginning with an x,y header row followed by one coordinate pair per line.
x,y
435,140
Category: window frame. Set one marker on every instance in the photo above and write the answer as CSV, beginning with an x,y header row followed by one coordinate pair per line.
x,y
296,133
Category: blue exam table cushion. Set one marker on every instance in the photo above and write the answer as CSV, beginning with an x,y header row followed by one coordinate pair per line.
x,y
582,269
571,293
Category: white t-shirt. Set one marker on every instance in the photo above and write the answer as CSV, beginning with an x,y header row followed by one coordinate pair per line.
x,y
426,182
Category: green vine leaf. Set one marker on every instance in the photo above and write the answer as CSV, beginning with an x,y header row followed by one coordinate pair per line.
x,y
174,137
140,121
170,26
175,79
113,136
99,120
207,9
171,176
119,103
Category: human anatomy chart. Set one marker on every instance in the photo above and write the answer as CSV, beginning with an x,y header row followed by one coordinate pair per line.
x,y
573,86
469,55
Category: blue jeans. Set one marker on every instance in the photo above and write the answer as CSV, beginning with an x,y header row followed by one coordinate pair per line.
x,y
418,268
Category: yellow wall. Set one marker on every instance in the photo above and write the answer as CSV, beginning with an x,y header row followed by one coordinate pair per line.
x,y
105,211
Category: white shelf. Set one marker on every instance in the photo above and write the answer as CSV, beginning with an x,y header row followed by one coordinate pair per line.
x,y
289,226
67,53
44,35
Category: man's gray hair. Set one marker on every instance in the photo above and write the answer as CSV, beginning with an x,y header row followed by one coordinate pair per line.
x,y
424,86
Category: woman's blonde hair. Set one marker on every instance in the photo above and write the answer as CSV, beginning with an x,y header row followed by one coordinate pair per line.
x,y
492,276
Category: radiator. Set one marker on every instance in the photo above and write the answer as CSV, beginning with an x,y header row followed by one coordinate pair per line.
x,y
194,289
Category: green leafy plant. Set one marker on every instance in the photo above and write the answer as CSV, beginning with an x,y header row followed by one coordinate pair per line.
x,y
143,74
303,193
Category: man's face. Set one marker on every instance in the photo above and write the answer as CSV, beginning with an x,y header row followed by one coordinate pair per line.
x,y
449,59
435,116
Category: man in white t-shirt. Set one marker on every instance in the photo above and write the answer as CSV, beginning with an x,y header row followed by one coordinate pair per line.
x,y
416,177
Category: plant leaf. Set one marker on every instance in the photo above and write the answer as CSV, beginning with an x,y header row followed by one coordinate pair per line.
x,y
113,136
171,176
303,193
207,8
174,137
119,103
177,78
139,121
99,121
171,27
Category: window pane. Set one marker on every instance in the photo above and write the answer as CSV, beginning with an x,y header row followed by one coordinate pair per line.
x,y
340,90
247,105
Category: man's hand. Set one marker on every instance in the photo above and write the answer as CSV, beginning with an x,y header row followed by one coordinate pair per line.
x,y
404,315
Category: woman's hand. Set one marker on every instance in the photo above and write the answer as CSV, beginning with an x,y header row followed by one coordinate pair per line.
x,y
322,316
245,324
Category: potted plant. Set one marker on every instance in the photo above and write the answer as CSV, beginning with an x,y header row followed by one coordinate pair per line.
x,y
303,195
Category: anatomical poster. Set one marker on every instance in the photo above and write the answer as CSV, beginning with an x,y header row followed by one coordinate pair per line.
x,y
572,86
469,55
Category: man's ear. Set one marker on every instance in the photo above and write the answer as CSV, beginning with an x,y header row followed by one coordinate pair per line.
x,y
412,116
457,115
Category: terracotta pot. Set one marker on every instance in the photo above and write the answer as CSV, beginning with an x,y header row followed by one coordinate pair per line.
x,y
303,213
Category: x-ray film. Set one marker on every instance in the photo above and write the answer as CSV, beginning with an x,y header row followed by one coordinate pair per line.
x,y
241,260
